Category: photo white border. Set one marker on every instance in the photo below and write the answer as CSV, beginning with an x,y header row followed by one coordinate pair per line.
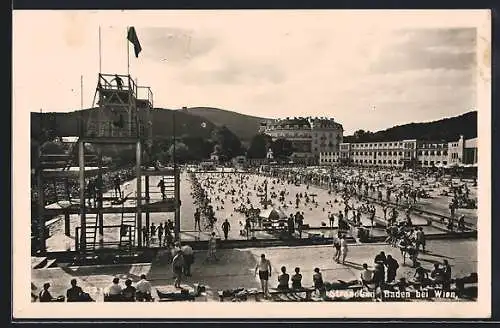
x,y
24,308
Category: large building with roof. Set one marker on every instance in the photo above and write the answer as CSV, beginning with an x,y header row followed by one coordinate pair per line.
x,y
404,153
309,136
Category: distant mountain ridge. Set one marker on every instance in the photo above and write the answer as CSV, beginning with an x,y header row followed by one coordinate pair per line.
x,y
446,129
66,124
244,126
201,122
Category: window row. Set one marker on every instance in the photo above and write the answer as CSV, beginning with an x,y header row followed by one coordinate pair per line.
x,y
432,163
432,153
380,161
380,153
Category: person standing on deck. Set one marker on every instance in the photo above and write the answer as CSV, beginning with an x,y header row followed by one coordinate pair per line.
x,y
212,244
392,267
264,269
117,186
225,228
177,267
197,216
343,248
331,219
91,192
372,216
152,233
161,185
119,82
160,234
336,245
187,251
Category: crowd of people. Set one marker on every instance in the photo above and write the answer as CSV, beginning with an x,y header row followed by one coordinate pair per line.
x,y
70,188
357,196
379,277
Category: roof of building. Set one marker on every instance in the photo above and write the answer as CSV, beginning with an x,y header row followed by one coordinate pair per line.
x,y
301,121
317,122
470,143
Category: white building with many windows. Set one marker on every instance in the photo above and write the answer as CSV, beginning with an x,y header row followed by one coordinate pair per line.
x,y
404,153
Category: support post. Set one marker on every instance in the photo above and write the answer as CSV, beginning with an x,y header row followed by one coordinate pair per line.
x,y
81,153
77,239
146,187
41,218
100,215
66,224
177,204
139,194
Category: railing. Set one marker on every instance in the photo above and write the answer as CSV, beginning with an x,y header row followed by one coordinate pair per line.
x,y
109,82
145,94
100,244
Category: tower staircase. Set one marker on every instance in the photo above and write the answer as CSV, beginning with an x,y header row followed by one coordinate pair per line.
x,y
90,233
127,231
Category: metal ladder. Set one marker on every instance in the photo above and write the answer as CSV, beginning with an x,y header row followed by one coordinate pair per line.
x,y
127,230
61,191
90,233
169,182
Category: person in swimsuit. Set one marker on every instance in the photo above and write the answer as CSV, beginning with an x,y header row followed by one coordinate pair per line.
x,y
264,269
283,279
319,285
297,279
336,245
343,248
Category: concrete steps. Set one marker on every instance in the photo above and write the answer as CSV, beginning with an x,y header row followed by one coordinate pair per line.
x,y
42,263
38,262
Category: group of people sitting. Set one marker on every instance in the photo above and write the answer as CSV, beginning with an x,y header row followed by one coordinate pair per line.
x,y
141,292
74,294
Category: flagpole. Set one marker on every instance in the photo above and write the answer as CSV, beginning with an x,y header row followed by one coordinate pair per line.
x,y
81,92
100,61
128,54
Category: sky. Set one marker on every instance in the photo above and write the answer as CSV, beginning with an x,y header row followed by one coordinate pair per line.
x,y
367,70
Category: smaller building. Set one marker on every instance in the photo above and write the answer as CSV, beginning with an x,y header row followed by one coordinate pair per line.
x,y
432,153
470,152
329,158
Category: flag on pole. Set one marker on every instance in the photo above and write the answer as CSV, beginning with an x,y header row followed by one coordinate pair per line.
x,y
132,37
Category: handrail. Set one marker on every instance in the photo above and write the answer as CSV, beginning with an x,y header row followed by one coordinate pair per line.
x,y
148,95
128,84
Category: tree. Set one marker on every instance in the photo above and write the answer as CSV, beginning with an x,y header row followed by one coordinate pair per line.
x,y
199,148
259,145
362,136
230,144
282,148
181,152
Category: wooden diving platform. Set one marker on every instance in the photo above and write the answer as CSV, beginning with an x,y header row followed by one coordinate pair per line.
x,y
160,172
68,173
111,140
157,207
109,210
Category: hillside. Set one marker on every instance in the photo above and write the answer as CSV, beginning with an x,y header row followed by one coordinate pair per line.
x,y
244,126
66,124
447,129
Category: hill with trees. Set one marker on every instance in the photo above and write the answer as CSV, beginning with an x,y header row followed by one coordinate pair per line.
x,y
244,126
447,129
